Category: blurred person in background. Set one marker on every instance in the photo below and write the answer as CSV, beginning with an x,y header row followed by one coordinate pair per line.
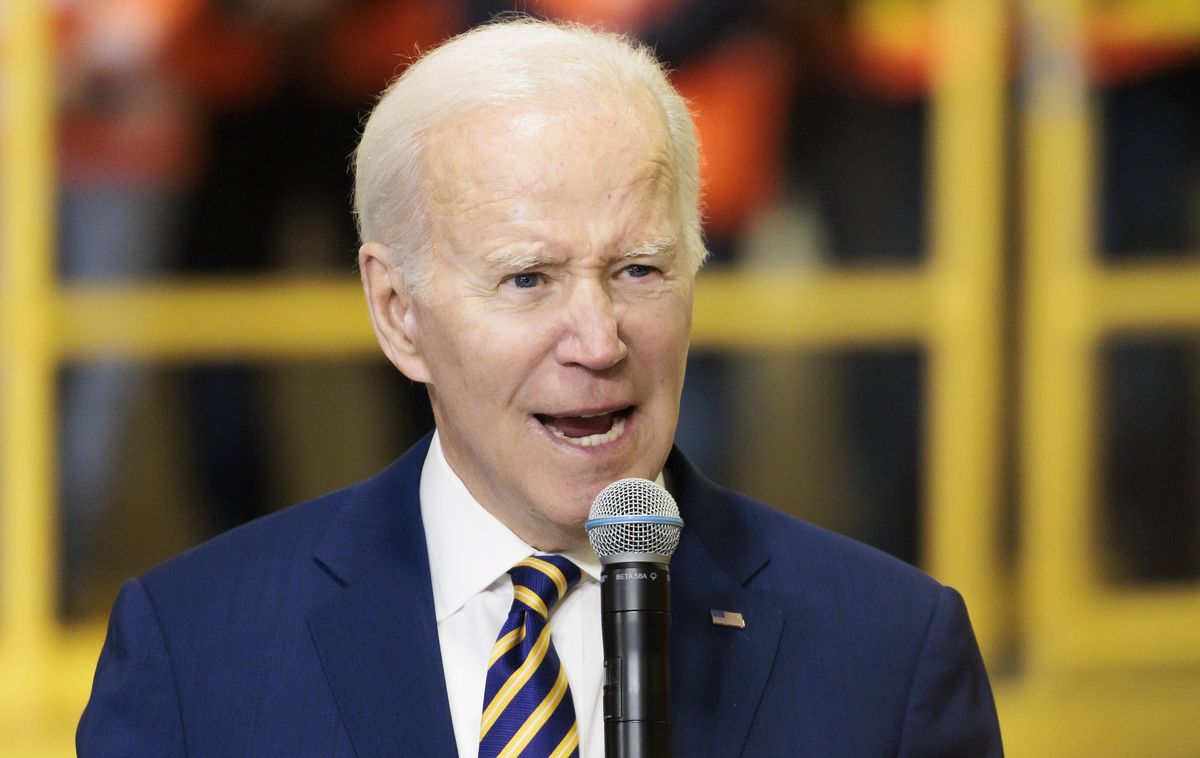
x,y
279,89
125,148
180,123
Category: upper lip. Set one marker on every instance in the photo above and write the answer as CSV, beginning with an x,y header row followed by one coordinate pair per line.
x,y
586,412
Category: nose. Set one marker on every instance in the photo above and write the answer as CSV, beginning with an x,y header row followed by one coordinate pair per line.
x,y
591,336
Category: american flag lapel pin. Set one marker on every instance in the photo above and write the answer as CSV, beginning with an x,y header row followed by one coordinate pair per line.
x,y
728,618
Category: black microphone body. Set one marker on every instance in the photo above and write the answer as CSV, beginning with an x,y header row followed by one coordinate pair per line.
x,y
635,602
634,527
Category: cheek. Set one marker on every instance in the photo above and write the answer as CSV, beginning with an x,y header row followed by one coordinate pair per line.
x,y
492,359
661,335
454,353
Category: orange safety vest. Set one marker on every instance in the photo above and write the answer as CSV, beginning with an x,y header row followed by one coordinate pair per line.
x,y
227,61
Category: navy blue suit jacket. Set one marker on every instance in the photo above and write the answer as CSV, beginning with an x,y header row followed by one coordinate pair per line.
x,y
311,632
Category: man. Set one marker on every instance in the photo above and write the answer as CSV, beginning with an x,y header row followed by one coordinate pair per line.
x,y
528,198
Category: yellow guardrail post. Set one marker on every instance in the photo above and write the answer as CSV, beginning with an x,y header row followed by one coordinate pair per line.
x,y
1057,394
27,370
965,336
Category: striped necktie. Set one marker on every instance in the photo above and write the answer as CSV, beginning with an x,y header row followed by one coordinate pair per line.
x,y
527,707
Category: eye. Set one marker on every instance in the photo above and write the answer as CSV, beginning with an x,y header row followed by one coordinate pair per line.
x,y
637,270
526,281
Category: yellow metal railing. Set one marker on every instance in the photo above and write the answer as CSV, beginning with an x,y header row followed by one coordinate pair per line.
x,y
962,516
27,362
1057,403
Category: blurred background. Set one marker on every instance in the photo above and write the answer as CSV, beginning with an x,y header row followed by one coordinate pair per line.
x,y
953,309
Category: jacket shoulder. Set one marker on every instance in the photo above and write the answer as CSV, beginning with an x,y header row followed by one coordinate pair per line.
x,y
836,576
881,637
799,545
278,543
283,548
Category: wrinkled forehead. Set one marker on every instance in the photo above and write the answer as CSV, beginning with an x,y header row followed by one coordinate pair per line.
x,y
570,135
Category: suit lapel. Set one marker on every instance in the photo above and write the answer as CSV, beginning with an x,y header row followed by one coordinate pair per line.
x,y
377,637
718,673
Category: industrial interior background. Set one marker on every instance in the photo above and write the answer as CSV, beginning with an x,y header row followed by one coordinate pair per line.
x,y
953,310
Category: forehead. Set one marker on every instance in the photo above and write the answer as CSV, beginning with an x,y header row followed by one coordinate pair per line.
x,y
568,152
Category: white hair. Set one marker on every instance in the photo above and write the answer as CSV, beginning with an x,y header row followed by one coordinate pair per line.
x,y
516,60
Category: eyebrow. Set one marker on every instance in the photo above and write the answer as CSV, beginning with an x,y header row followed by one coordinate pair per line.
x,y
511,261
664,246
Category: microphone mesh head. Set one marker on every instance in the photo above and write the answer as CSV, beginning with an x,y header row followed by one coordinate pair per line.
x,y
632,500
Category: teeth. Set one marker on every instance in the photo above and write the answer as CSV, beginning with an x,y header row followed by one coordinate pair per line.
x,y
592,439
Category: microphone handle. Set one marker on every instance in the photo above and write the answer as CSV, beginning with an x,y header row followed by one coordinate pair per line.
x,y
635,603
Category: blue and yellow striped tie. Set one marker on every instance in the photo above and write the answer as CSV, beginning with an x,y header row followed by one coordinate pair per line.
x,y
527,707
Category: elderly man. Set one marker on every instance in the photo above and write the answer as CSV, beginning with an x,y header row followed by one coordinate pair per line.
x,y
527,196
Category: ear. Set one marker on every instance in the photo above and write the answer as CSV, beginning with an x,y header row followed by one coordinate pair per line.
x,y
391,310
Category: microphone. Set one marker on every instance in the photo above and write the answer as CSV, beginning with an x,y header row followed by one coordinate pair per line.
x,y
634,527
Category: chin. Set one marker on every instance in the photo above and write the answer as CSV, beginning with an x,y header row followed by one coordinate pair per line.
x,y
555,535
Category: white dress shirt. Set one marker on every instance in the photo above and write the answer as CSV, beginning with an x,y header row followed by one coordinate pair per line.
x,y
470,553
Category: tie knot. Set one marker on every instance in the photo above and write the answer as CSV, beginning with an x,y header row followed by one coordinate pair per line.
x,y
540,581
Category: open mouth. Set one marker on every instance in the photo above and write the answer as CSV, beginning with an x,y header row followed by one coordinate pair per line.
x,y
587,431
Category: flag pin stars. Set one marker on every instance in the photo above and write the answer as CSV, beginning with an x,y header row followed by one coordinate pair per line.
x,y
728,618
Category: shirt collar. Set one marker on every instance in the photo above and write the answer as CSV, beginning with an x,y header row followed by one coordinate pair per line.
x,y
469,549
